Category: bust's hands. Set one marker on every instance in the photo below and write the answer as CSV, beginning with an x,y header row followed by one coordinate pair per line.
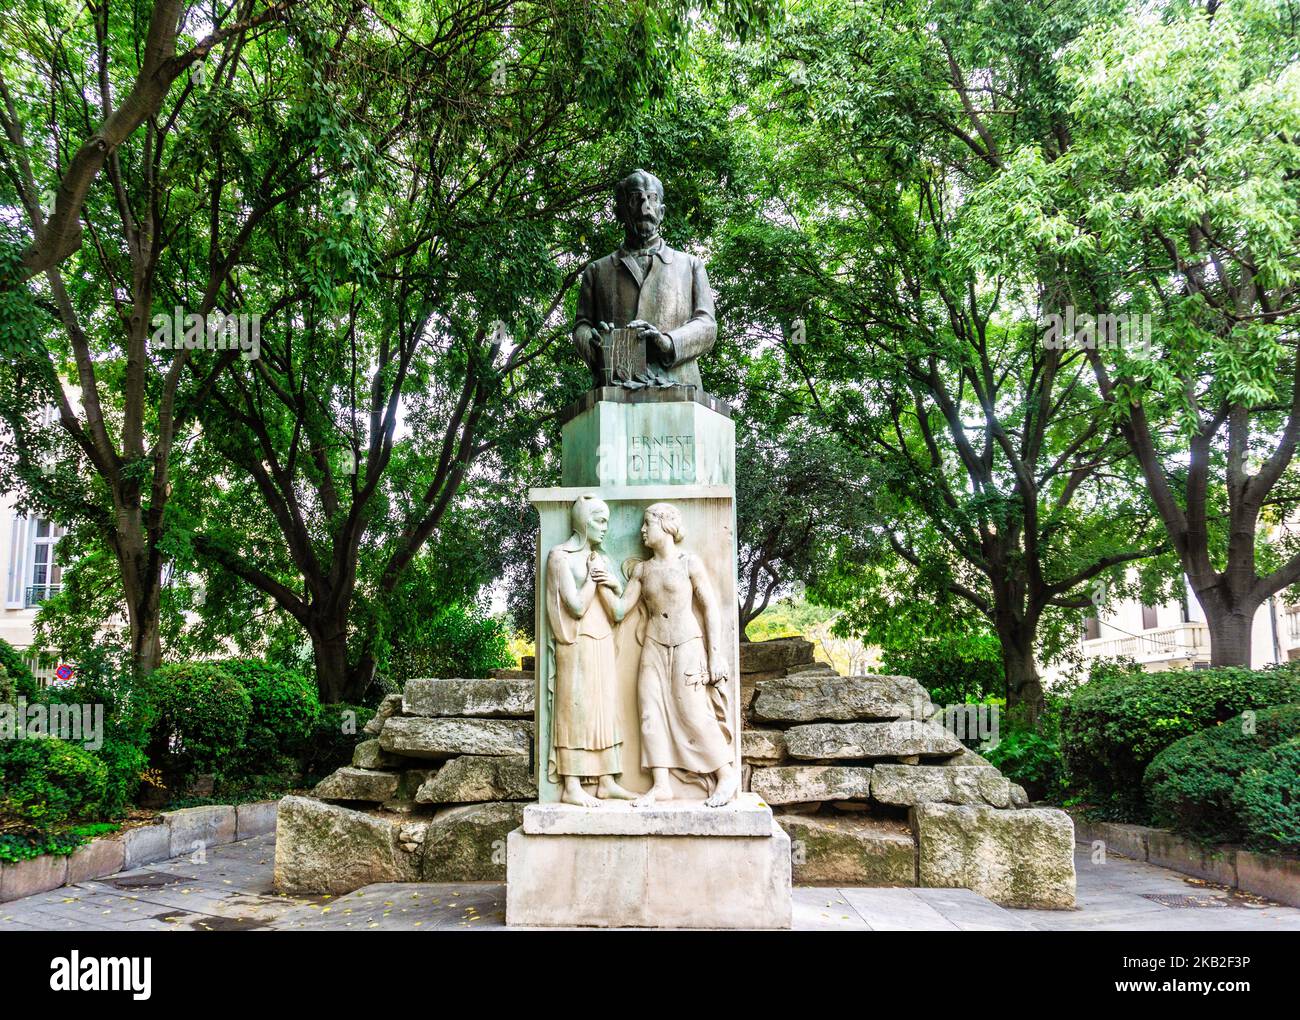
x,y
650,332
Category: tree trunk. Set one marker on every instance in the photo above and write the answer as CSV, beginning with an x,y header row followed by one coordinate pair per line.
x,y
330,651
1230,634
146,642
142,587
336,681
1024,688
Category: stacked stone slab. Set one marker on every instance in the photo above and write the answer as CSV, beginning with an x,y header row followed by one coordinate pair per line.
x,y
430,795
873,790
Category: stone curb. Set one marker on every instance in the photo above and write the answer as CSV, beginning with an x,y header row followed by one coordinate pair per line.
x,y
177,833
1274,877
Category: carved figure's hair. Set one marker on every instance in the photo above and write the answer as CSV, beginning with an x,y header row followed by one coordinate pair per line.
x,y
669,518
584,508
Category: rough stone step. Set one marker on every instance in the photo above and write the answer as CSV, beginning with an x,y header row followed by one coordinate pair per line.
x,y
850,850
868,740
804,784
1021,858
908,785
762,747
425,737
350,783
500,697
779,653
472,779
805,697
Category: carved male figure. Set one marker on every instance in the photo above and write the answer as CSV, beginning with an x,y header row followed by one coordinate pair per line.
x,y
585,736
649,286
683,673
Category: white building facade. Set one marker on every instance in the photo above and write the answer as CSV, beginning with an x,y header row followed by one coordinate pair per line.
x,y
1175,635
30,576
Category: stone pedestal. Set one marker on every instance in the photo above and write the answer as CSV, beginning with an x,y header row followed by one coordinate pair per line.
x,y
679,863
676,865
631,449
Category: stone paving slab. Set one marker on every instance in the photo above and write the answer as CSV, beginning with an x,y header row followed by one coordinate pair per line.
x,y
230,889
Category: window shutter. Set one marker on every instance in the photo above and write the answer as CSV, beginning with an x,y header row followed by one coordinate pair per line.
x,y
17,564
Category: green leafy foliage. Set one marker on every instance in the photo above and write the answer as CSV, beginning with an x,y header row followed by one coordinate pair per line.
x,y
1114,725
1268,799
104,677
198,715
1033,761
284,708
956,668
45,782
16,679
333,738
1228,783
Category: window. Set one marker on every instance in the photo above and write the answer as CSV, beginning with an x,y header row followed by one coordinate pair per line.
x,y
42,667
1148,617
33,574
1091,628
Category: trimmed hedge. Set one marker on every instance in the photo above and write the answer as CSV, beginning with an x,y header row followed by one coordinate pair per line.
x,y
285,705
1269,799
1225,784
45,782
1113,726
198,715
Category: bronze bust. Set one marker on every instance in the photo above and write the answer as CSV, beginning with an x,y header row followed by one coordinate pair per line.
x,y
645,312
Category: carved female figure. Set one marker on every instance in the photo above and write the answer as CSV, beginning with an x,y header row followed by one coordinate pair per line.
x,y
585,737
681,681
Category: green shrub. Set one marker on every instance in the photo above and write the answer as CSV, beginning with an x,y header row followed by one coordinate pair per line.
x,y
335,734
103,677
955,672
197,713
1114,725
1032,760
1192,784
45,782
16,680
457,640
1268,797
285,705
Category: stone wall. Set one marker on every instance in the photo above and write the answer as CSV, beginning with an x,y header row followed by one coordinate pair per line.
x,y
430,796
874,791
871,789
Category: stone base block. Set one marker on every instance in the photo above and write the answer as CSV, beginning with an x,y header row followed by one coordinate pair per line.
x,y
604,878
1015,858
850,850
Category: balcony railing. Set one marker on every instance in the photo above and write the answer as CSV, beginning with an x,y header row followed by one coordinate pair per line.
x,y
1291,625
38,593
1183,641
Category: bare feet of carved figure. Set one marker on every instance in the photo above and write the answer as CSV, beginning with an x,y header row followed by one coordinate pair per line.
x,y
575,794
660,792
607,789
728,784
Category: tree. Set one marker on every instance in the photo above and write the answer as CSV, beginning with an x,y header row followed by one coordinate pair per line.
x,y
1173,211
995,472
170,186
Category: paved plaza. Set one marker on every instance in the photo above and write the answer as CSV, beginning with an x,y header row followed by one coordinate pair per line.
x,y
231,890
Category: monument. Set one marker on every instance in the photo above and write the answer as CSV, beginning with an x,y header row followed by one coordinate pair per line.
x,y
640,820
